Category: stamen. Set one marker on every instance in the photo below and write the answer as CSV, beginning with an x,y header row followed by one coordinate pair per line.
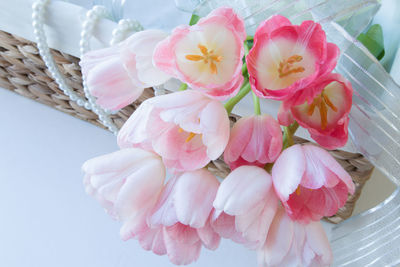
x,y
190,137
213,68
294,58
194,57
203,49
207,57
311,109
298,191
286,66
329,103
322,101
180,130
216,58
324,115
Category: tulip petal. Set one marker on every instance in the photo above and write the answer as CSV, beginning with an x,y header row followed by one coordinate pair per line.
x,y
240,136
330,163
142,44
164,211
153,240
182,243
286,178
242,190
270,25
140,189
318,242
255,224
193,197
285,116
215,122
208,236
332,56
224,225
279,239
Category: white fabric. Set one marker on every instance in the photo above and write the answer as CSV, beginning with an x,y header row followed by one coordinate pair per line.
x,y
64,21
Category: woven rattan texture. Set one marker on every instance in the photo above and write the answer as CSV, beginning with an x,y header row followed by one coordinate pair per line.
x,y
23,71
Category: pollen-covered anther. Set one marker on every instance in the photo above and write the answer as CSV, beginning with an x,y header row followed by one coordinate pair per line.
x,y
286,66
298,192
207,57
190,136
322,101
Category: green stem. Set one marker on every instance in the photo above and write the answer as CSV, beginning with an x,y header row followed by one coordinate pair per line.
x,y
194,19
234,100
246,48
256,103
183,87
246,52
288,133
244,69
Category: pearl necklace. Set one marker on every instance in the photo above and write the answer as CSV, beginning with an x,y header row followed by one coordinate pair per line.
x,y
125,27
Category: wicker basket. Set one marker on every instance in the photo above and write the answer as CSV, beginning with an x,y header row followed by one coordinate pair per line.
x,y
23,71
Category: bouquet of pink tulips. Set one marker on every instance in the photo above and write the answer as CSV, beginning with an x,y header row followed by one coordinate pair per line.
x,y
277,192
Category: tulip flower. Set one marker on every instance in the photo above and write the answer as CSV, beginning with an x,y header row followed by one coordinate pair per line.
x,y
183,212
290,243
207,56
310,183
323,110
127,184
117,75
245,206
187,129
287,58
254,140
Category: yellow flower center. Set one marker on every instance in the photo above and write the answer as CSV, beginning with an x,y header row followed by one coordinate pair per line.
x,y
298,191
206,57
286,66
190,136
322,101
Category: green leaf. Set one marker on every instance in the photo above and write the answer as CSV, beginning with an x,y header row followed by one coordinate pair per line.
x,y
373,40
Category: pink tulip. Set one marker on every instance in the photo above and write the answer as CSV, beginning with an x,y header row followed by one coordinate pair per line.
x,y
151,239
290,243
254,140
127,184
245,206
287,58
310,183
207,56
183,212
118,182
186,128
324,110
117,75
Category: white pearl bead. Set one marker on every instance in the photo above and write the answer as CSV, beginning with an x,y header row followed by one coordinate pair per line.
x,y
80,102
73,97
39,8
